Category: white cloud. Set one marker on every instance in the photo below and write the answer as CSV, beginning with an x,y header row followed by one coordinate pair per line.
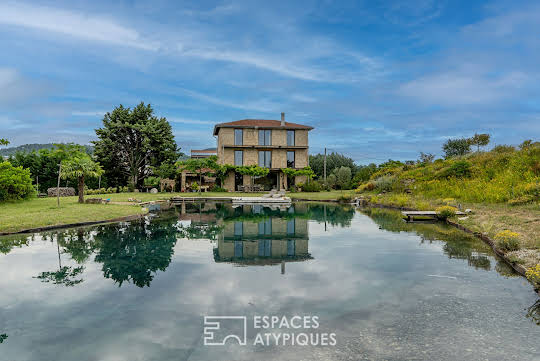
x,y
464,88
14,88
195,42
91,27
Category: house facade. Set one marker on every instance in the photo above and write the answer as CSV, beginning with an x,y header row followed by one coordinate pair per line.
x,y
273,144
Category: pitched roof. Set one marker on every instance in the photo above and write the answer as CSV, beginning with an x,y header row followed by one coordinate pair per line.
x,y
262,123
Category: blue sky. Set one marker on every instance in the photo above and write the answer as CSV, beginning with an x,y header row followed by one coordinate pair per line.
x,y
377,79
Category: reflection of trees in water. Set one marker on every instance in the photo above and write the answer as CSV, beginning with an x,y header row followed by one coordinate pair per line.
x,y
3,337
333,214
199,231
133,253
66,275
79,243
458,244
7,243
533,312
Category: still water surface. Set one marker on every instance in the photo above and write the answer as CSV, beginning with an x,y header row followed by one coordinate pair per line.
x,y
140,290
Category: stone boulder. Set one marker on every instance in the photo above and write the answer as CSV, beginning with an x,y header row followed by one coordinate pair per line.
x,y
64,192
153,190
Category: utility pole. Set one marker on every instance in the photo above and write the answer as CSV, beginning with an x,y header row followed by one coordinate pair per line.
x,y
58,186
325,165
99,182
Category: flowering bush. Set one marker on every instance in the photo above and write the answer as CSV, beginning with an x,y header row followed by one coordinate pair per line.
x,y
445,212
507,240
533,274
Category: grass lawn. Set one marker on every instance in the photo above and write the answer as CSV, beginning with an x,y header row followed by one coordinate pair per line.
x,y
40,212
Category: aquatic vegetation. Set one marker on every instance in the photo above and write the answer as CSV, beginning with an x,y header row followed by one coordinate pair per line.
x,y
507,240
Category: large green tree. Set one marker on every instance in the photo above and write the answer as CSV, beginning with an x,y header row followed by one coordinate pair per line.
x,y
132,142
333,161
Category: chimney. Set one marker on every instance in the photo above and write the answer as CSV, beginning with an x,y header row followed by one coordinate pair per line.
x,y
282,119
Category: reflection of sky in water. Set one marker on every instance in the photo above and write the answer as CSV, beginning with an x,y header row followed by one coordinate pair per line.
x,y
387,294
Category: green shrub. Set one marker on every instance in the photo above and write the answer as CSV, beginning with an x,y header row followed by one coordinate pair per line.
x,y
504,149
445,212
152,181
345,198
507,240
194,186
459,169
312,186
15,182
385,183
216,188
365,187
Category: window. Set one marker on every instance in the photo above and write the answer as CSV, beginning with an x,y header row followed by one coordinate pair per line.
x,y
290,159
265,137
291,226
238,249
265,158
290,137
238,157
265,227
291,247
238,137
265,248
238,229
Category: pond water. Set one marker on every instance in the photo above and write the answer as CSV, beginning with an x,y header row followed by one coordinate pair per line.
x,y
377,286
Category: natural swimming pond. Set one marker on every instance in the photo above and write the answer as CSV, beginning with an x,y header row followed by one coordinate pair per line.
x,y
380,288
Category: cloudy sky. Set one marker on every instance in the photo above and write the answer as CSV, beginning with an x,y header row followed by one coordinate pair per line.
x,y
377,79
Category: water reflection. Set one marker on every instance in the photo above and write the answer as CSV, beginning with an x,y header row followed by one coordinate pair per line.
x,y
534,312
256,235
372,278
247,235
458,244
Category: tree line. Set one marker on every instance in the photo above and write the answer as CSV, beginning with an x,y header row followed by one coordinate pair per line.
x,y
132,144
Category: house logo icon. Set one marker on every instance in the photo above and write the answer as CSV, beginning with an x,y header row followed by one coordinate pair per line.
x,y
218,330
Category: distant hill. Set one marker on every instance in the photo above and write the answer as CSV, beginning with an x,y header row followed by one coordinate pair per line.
x,y
6,152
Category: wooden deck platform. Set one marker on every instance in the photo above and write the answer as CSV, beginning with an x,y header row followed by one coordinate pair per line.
x,y
432,214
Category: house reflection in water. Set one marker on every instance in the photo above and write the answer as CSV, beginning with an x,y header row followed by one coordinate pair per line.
x,y
258,235
249,234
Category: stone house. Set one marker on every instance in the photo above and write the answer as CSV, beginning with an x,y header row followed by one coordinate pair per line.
x,y
268,143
